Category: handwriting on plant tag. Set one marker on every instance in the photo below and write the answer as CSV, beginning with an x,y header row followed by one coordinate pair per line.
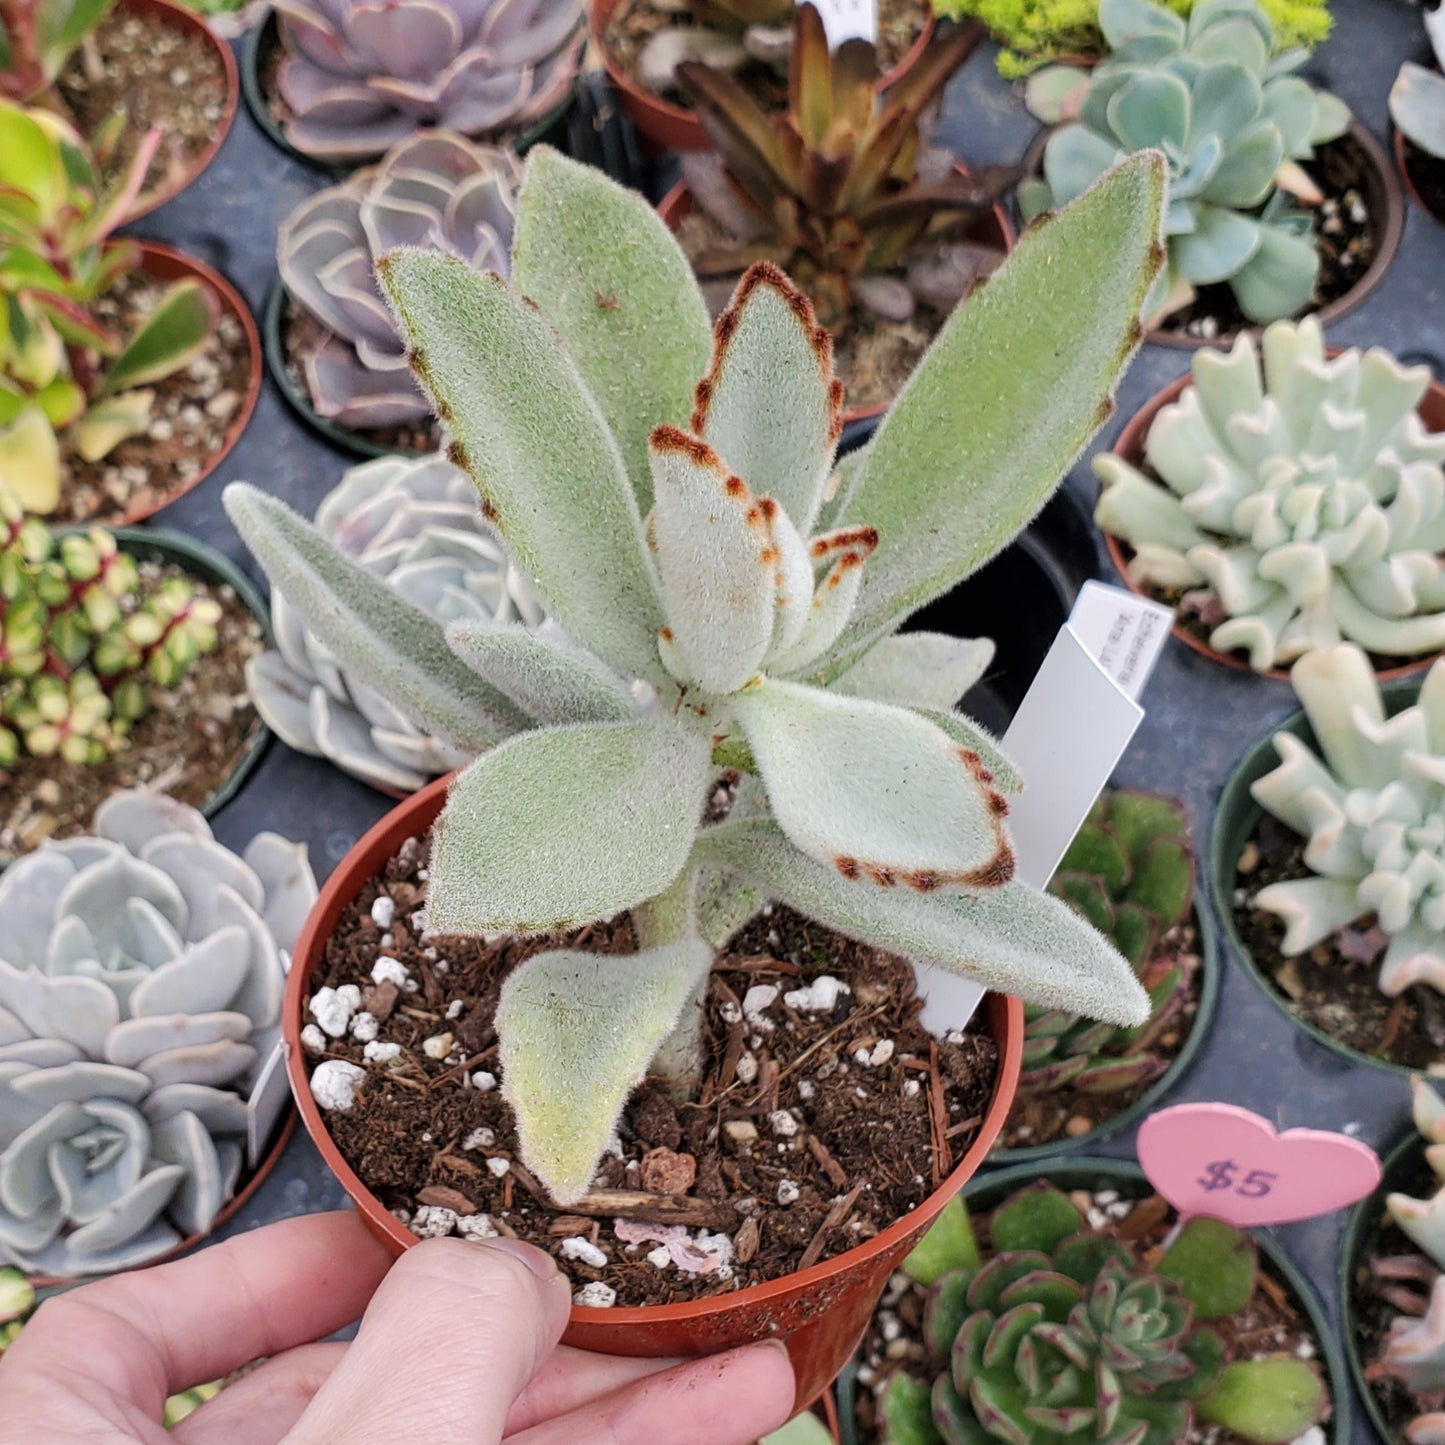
x,y
1225,1161
848,20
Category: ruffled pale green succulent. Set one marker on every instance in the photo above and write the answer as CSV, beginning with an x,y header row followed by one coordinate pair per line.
x,y
1371,804
1061,1334
709,579
1234,121
436,190
140,980
1306,500
414,523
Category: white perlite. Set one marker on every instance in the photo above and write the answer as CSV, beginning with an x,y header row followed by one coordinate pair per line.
x,y
788,1192
454,1009
482,1138
660,1257
381,1053
911,1088
313,1040
498,1166
758,999
334,1084
746,1068
820,996
782,1123
364,1028
719,1247
432,1221
484,1081
438,1046
389,970
580,1248
476,1226
383,911
596,1296
882,1052
332,1008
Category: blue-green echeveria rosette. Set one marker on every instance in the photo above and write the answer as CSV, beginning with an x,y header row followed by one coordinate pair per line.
x,y
140,983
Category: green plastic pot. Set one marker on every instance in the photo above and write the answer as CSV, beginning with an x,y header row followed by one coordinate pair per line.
x,y
1153,1096
1405,1172
1235,819
551,129
349,441
989,1190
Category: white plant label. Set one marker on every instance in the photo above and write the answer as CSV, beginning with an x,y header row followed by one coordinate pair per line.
x,y
268,1098
848,20
1067,766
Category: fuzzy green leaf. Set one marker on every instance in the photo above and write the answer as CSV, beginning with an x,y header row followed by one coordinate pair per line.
x,y
876,791
949,1243
1039,1217
612,279
967,733
399,649
1214,1264
576,1033
172,336
1006,398
549,472
907,1409
1013,939
918,669
768,405
1266,1399
549,681
558,828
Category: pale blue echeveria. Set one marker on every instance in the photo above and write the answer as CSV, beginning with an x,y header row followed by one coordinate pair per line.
x,y
140,980
1370,801
1234,121
695,540
1301,495
412,522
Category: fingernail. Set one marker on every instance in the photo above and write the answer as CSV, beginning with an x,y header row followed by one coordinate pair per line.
x,y
537,1260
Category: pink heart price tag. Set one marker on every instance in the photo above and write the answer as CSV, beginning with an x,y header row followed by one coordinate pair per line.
x,y
1221,1160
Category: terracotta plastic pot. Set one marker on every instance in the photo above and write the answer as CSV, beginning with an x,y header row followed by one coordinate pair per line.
x,y
1128,1179
819,1313
674,127
355,442
1405,1172
676,206
1153,1097
1235,819
1130,447
1386,204
177,17
264,36
165,264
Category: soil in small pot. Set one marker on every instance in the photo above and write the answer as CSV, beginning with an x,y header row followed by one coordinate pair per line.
x,y
1334,986
302,333
1380,1297
634,22
812,1131
1273,1323
874,357
1069,1112
190,418
1347,237
155,74
1426,173
187,745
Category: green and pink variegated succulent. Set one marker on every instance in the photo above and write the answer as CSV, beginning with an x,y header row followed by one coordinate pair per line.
x,y
729,603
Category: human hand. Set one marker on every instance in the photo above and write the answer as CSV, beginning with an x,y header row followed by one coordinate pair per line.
x,y
457,1346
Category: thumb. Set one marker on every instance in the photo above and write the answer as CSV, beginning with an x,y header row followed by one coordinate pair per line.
x,y
449,1340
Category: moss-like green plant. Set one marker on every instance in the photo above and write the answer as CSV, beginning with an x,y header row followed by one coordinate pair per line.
x,y
691,537
1058,1333
83,647
1130,872
1371,804
1037,30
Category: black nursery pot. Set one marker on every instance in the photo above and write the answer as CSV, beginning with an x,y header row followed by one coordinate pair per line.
x,y
1405,1172
1235,819
988,1190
